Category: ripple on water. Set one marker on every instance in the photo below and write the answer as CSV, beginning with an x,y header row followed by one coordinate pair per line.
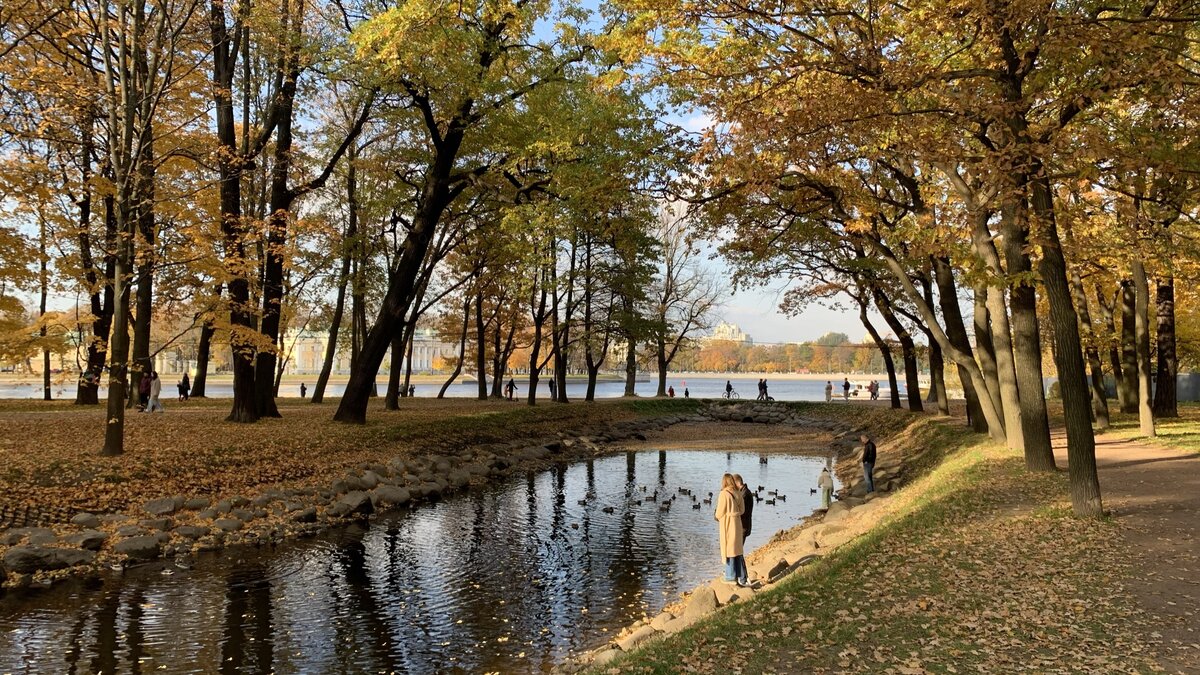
x,y
506,579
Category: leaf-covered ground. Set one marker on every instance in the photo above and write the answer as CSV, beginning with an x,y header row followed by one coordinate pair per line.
x,y
50,452
981,570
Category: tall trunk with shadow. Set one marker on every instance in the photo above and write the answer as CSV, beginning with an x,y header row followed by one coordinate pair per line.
x,y
884,348
908,349
1129,358
1141,327
1166,400
1108,325
462,348
956,330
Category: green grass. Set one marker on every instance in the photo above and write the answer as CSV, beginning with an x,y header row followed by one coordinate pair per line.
x,y
978,567
1181,432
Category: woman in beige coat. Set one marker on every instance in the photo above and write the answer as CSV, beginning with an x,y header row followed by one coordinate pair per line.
x,y
729,517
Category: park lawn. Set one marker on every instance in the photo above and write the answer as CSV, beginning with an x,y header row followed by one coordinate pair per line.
x,y
50,452
1182,433
980,568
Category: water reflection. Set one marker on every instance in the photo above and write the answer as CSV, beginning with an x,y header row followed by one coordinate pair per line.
x,y
508,579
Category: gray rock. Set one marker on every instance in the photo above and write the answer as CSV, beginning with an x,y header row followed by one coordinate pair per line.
x,y
130,531
238,500
308,515
338,510
390,496
164,506
636,638
197,503
86,520
139,548
243,514
192,531
227,524
728,593
208,514
36,536
348,484
703,601
157,523
370,480
91,540
605,656
778,568
262,500
459,478
358,502
29,559
223,506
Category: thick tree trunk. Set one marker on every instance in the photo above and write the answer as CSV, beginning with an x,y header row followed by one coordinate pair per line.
x,y
908,350
335,325
480,350
956,331
1068,357
1165,396
1141,329
436,196
391,399
630,369
1129,357
1026,343
992,330
408,363
660,358
937,366
44,292
143,313
114,426
100,294
1096,380
539,320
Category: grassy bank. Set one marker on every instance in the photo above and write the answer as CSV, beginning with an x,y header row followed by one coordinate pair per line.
x,y
977,567
50,453
1182,433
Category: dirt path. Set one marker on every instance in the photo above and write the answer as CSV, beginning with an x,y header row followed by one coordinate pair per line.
x,y
1154,492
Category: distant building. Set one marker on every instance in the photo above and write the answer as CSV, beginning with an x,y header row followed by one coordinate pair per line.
x,y
730,333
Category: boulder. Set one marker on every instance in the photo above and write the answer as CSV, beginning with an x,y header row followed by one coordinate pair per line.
x,y
192,531
390,496
702,602
29,559
728,593
91,540
139,548
227,524
163,506
370,480
459,478
358,503
86,520
308,515
837,512
605,656
156,523
224,506
658,622
130,531
35,536
636,638
197,503
428,490
243,514
338,510
778,569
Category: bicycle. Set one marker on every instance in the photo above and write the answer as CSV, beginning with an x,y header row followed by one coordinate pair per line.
x,y
730,394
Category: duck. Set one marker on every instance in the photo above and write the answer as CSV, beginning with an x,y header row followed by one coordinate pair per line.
x,y
696,506
772,493
770,502
762,460
812,491
665,506
782,498
652,498
608,509
582,502
760,488
708,500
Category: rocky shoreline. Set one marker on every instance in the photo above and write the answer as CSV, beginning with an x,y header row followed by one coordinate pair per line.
x,y
789,550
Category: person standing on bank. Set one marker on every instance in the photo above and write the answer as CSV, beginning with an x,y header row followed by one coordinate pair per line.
x,y
187,387
155,393
729,517
747,505
303,390
828,391
825,483
846,389
868,461
144,392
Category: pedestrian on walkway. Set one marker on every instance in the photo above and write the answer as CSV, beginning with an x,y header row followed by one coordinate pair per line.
x,y
747,505
828,391
729,517
303,390
144,393
187,387
155,394
846,389
868,461
671,391
553,390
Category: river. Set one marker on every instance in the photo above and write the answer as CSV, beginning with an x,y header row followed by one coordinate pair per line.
x,y
511,578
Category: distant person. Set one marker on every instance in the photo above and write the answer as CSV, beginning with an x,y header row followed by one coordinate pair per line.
x,y
512,388
303,390
182,395
412,390
671,392
828,391
685,393
868,461
728,388
747,505
144,392
729,517
553,390
825,483
765,395
155,393
874,390
846,389
187,387
761,390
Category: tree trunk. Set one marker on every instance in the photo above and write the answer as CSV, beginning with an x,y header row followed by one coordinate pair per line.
x,y
141,364
99,294
114,428
1129,357
44,292
1114,353
1165,396
1099,399
408,363
993,335
660,356
937,366
339,308
1141,329
908,350
391,400
480,349
1027,343
462,348
956,331
884,348
436,195
1068,357
630,368
539,320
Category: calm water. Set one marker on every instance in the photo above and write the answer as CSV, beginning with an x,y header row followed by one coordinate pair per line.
x,y
508,579
701,387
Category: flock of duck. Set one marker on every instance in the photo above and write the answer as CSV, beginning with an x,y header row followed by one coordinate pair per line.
x,y
684,495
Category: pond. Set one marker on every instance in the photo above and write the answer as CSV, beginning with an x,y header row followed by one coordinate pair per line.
x,y
511,578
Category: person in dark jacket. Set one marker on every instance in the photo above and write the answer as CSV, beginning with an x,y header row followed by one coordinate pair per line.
x,y
747,501
868,461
